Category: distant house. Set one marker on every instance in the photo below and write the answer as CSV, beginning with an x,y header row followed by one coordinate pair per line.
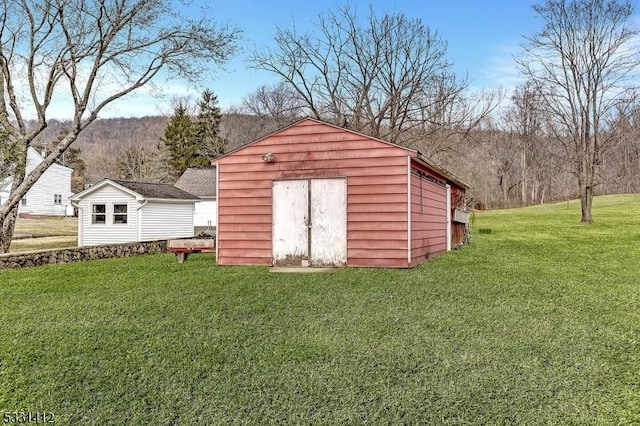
x,y
317,194
202,183
49,196
117,211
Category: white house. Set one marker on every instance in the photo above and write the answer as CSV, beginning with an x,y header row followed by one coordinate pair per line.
x,y
116,211
49,196
202,183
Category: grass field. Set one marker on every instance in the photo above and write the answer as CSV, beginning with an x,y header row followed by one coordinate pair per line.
x,y
537,322
44,232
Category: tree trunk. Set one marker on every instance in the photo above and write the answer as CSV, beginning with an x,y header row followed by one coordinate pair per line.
x,y
9,211
7,228
523,176
504,187
586,201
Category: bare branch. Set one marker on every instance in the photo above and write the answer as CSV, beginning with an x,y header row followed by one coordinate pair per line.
x,y
580,64
95,52
377,77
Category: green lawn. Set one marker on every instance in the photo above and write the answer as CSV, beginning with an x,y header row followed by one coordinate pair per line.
x,y
537,322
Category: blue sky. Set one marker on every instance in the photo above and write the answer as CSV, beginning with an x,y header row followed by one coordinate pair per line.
x,y
482,37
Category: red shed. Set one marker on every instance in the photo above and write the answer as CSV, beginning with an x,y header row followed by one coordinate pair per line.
x,y
317,194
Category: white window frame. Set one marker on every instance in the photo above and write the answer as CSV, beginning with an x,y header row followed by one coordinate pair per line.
x,y
120,215
57,199
95,214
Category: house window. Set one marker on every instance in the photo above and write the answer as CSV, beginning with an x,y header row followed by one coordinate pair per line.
x,y
120,213
24,201
99,214
57,199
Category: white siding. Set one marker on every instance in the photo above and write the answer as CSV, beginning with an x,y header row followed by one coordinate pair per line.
x,y
204,213
40,198
108,233
161,221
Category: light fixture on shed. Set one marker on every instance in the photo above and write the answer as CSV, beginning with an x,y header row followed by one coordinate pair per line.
x,y
269,157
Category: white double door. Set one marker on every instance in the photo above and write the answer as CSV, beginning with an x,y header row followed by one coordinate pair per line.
x,y
310,222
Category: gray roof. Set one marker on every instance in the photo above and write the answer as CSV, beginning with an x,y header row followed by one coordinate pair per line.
x,y
200,182
156,190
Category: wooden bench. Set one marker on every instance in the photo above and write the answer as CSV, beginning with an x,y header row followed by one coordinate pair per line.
x,y
183,247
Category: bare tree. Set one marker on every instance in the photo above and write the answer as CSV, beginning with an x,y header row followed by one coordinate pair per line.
x,y
277,105
93,52
623,161
524,120
448,117
580,63
239,127
140,164
376,77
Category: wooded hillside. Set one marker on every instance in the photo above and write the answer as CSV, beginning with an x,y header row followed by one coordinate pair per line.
x,y
489,160
103,142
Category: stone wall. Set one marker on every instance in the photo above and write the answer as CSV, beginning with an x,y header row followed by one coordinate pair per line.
x,y
20,260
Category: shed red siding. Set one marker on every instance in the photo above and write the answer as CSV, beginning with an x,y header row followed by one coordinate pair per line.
x,y
428,218
394,218
376,173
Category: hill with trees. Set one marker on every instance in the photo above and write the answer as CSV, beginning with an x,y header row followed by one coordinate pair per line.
x,y
505,166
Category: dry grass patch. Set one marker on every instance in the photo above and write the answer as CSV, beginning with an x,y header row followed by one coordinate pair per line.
x,y
46,226
43,243
44,233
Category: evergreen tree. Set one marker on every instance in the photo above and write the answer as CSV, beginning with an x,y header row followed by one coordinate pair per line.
x,y
207,124
180,142
193,142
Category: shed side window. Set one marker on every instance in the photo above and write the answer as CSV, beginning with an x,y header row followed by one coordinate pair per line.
x,y
99,214
23,201
120,213
57,199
